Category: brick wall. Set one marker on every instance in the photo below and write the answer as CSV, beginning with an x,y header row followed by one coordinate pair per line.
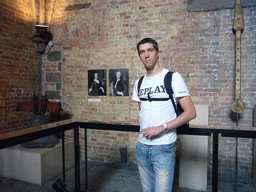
x,y
200,45
18,63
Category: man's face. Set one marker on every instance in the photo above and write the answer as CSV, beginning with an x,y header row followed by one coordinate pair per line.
x,y
118,75
148,55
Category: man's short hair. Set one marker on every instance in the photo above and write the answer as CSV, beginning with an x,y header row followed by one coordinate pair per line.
x,y
148,40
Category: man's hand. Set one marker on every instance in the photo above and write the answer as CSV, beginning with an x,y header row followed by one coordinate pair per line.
x,y
152,131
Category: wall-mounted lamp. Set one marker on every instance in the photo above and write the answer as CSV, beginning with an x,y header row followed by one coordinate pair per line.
x,y
42,38
40,105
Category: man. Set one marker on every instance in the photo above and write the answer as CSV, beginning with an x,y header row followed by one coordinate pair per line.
x,y
155,152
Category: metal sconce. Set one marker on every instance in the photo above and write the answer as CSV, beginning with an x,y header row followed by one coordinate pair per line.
x,y
39,105
42,38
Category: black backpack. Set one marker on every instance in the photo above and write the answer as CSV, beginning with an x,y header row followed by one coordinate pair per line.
x,y
168,86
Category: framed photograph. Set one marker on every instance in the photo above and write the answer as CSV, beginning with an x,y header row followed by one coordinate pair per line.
x,y
97,82
119,82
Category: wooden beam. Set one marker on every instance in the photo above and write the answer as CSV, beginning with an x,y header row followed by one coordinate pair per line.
x,y
212,5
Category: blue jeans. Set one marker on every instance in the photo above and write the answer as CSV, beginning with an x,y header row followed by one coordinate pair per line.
x,y
156,165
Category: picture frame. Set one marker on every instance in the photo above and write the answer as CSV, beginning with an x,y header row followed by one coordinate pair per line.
x,y
97,82
119,82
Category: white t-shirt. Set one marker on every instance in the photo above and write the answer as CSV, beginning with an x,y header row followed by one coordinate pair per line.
x,y
156,113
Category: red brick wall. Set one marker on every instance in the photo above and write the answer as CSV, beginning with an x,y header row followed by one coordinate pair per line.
x,y
18,63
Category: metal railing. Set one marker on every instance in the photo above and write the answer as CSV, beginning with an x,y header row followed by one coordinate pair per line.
x,y
215,133
39,133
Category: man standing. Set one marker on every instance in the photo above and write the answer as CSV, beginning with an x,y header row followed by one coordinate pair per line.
x,y
155,151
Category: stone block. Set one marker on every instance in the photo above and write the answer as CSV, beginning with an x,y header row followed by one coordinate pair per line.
x,y
53,94
202,115
36,165
54,56
193,162
194,155
53,77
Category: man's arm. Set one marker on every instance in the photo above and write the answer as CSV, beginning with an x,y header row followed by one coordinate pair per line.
x,y
188,114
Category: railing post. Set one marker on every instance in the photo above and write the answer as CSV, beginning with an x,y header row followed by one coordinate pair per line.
x,y
77,159
85,159
63,157
215,159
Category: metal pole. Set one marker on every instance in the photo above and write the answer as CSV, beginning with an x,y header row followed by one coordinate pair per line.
x,y
236,161
40,77
77,160
63,157
85,158
215,160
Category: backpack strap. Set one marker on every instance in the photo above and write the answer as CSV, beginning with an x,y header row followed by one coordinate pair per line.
x,y
168,83
139,84
168,87
154,99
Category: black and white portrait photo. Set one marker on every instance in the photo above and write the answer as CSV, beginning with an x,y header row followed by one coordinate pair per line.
x,y
119,82
97,82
